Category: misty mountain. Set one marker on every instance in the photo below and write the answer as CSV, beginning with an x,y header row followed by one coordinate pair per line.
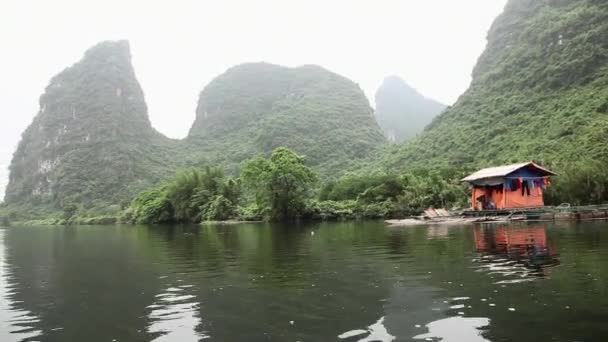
x,y
92,143
539,92
256,107
401,111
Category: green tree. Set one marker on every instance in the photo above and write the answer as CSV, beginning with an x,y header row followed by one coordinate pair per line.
x,y
282,183
217,197
580,182
218,208
180,192
69,210
191,196
151,206
381,194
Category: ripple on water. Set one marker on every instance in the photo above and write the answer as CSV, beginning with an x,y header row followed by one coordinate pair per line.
x,y
513,271
15,324
374,333
456,329
174,317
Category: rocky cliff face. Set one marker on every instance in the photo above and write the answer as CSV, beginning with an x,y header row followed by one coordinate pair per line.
x,y
91,139
92,144
539,92
256,107
401,111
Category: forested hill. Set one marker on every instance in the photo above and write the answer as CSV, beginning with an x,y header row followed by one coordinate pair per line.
x,y
256,107
539,92
91,142
401,111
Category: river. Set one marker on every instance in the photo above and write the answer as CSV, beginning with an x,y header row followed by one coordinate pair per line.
x,y
305,282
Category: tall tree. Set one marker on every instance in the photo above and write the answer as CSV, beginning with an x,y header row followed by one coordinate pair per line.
x,y
281,184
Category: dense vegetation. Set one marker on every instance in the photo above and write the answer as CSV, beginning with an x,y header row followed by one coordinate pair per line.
x,y
401,111
191,196
280,184
539,92
282,187
276,188
583,181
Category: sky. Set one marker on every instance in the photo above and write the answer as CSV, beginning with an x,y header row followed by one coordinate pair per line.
x,y
179,46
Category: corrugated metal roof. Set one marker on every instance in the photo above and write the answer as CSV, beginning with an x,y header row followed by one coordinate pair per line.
x,y
501,171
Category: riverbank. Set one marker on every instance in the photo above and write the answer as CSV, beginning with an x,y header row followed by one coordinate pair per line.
x,y
105,221
545,214
548,213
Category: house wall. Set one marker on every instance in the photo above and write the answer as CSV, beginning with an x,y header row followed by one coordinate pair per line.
x,y
497,197
510,199
514,199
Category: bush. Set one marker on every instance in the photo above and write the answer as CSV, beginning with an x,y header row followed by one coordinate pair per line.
x,y
376,210
191,196
218,209
97,220
152,206
331,210
251,213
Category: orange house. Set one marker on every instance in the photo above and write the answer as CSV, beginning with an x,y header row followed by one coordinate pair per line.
x,y
509,187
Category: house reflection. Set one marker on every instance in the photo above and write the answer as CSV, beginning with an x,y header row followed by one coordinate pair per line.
x,y
527,246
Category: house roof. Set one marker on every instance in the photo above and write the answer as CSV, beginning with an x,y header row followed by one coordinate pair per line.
x,y
501,171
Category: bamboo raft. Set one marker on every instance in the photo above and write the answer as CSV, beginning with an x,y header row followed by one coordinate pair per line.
x,y
563,212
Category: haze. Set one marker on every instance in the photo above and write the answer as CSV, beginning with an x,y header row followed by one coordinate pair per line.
x,y
179,46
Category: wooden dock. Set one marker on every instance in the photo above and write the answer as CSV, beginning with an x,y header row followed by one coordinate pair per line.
x,y
547,213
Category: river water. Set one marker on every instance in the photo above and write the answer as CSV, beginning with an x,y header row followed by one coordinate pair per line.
x,y
317,282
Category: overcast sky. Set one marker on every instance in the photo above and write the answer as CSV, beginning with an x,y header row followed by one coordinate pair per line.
x,y
179,46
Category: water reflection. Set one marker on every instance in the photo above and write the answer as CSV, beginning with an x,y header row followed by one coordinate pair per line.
x,y
81,283
16,324
347,282
174,316
522,253
373,333
456,329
